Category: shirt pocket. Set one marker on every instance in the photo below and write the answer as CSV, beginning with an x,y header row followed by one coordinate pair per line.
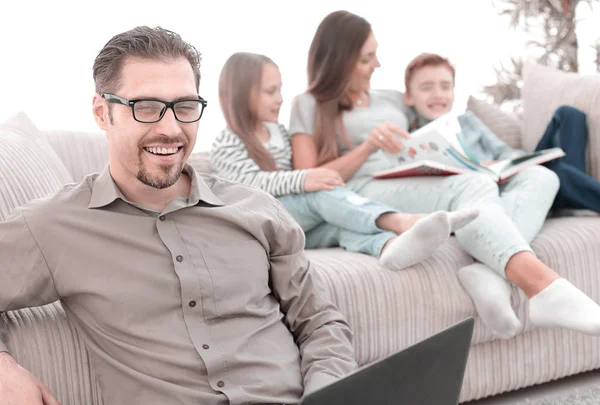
x,y
240,277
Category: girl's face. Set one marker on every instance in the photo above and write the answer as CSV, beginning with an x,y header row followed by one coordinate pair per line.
x,y
360,80
268,97
431,91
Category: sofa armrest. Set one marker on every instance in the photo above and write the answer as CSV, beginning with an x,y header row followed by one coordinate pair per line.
x,y
44,342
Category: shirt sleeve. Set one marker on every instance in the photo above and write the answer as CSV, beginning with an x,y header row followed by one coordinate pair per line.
x,y
302,115
25,277
230,160
488,140
319,329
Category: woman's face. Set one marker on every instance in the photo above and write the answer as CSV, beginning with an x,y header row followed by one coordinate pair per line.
x,y
360,80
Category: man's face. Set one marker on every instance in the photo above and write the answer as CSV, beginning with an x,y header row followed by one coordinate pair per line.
x,y
431,91
155,153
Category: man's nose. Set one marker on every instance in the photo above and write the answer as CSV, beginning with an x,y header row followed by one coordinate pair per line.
x,y
168,124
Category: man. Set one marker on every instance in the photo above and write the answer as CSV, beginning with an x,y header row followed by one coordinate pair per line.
x,y
187,289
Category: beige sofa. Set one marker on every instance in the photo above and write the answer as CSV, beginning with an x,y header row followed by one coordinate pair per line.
x,y
388,310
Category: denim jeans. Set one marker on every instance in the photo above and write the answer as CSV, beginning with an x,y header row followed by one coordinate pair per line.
x,y
492,238
527,198
568,130
339,217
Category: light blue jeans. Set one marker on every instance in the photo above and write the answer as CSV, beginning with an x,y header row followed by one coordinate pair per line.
x,y
339,217
510,214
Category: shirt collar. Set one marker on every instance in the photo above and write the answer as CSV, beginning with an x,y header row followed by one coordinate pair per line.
x,y
105,190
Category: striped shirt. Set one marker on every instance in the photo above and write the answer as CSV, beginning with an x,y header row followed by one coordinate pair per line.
x,y
230,160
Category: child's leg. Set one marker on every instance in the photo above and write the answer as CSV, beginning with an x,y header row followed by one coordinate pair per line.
x,y
577,189
424,238
527,198
348,210
567,130
396,252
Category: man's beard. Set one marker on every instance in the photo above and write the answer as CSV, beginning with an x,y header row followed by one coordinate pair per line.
x,y
167,177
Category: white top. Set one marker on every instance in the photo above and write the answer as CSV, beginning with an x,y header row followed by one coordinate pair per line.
x,y
385,105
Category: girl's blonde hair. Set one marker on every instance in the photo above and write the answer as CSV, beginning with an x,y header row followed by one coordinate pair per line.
x,y
239,84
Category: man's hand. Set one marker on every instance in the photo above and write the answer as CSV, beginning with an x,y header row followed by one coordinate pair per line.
x,y
321,179
19,387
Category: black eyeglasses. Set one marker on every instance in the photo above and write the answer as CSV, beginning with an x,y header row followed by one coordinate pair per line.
x,y
152,110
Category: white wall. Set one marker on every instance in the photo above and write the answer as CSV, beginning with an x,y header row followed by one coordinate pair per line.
x,y
48,48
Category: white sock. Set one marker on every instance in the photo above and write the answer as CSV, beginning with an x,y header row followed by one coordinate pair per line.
x,y
424,238
561,304
460,218
490,293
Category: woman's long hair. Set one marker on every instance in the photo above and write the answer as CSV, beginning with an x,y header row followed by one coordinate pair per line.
x,y
239,84
332,57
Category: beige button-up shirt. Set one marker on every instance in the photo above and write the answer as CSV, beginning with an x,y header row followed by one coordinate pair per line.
x,y
211,301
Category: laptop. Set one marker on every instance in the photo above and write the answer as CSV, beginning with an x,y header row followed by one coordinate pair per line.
x,y
428,373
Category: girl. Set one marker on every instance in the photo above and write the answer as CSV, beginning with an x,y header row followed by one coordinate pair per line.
x,y
255,150
341,124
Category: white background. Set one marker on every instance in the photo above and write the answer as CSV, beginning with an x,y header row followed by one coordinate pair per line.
x,y
48,48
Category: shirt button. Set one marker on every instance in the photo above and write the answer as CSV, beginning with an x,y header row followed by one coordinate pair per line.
x,y
220,384
192,304
179,258
162,217
205,346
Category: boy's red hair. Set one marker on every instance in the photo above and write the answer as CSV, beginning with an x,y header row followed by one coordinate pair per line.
x,y
424,60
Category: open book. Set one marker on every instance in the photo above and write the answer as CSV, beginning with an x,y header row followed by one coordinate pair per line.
x,y
436,150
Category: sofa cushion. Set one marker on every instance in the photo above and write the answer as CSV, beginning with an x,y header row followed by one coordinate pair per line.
x,y
29,167
544,90
507,126
82,153
200,161
389,310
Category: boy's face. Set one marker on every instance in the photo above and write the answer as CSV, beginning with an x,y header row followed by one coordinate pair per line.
x,y
431,91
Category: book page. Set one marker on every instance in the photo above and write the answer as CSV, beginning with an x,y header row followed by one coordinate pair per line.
x,y
507,168
436,142
446,126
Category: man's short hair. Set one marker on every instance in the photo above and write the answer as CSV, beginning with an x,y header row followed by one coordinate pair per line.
x,y
144,43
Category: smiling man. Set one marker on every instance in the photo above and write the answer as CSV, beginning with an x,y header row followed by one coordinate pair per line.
x,y
187,289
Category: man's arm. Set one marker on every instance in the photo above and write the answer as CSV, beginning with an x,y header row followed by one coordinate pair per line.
x,y
320,331
25,280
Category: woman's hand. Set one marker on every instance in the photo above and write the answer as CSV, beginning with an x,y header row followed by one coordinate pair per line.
x,y
384,136
322,179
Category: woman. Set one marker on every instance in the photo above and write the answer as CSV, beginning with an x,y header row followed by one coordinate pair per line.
x,y
341,124
255,150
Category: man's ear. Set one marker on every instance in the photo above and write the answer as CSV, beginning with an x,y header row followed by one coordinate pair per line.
x,y
100,111
408,99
